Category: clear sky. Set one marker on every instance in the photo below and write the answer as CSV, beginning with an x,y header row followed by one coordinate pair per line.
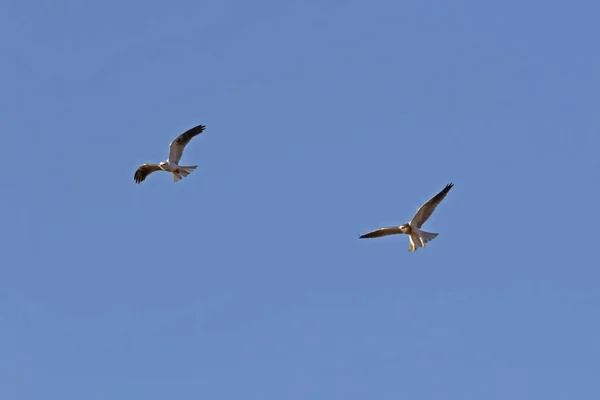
x,y
325,119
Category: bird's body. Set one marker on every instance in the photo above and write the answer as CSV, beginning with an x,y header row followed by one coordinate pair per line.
x,y
172,163
416,236
178,171
168,166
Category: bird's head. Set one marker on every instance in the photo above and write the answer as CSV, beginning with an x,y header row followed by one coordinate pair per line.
x,y
405,228
162,164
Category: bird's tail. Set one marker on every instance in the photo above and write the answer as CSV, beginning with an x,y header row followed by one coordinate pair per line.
x,y
428,236
416,242
182,172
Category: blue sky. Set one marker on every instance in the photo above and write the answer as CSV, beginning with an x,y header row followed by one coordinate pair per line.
x,y
325,120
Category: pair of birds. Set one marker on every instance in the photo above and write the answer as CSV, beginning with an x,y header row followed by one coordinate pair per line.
x,y
417,237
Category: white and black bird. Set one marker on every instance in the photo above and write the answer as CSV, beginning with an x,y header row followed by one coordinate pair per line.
x,y
172,163
417,237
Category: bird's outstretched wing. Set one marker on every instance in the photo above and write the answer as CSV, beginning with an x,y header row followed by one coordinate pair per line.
x,y
143,171
393,230
425,211
178,144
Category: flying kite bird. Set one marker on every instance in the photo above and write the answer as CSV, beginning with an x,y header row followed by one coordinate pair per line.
x,y
172,164
417,237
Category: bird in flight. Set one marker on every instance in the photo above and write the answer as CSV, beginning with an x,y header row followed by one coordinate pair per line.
x,y
172,164
417,237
